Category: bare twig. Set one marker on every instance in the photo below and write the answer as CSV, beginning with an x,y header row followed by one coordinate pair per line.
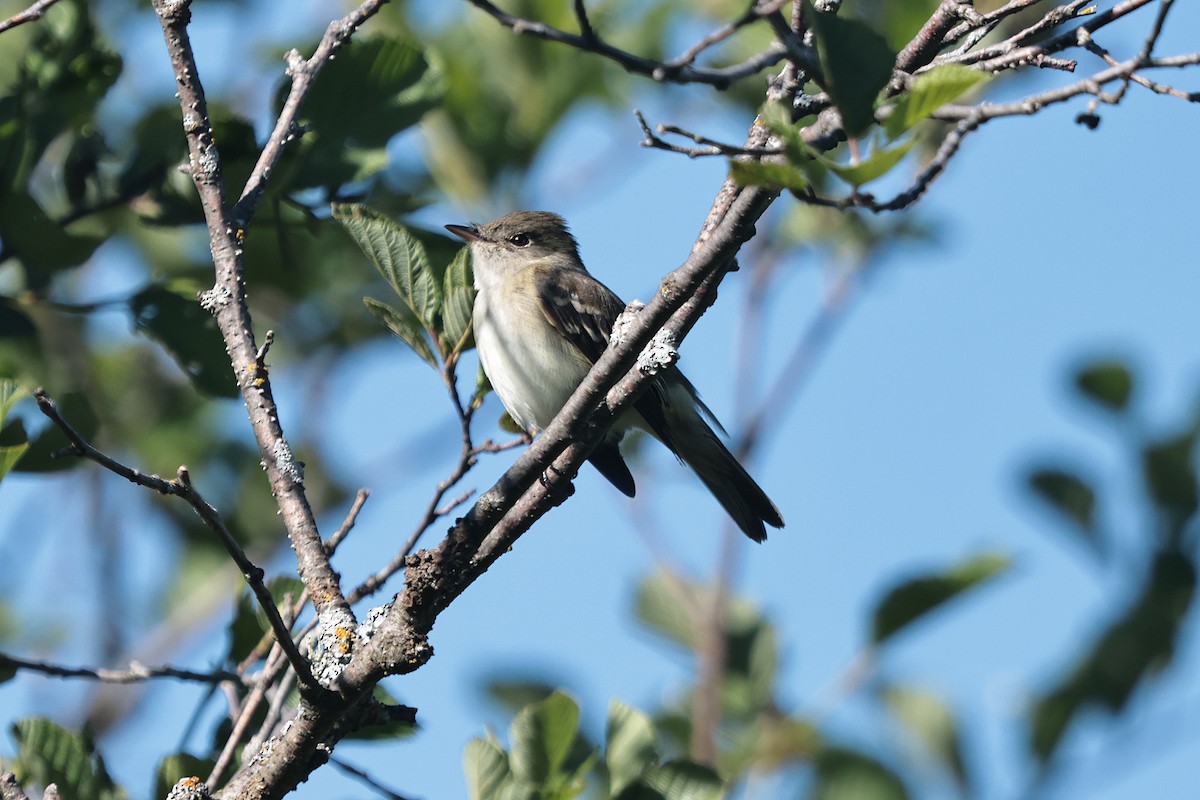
x,y
136,673
708,147
227,303
34,12
182,487
347,525
366,779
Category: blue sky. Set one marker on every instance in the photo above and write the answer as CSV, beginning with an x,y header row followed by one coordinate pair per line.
x,y
904,452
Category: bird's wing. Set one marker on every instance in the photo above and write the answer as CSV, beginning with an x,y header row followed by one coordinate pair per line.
x,y
579,307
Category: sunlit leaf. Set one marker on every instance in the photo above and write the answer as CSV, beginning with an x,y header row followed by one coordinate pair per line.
x,y
629,745
914,598
458,300
487,770
765,173
933,724
684,780
929,92
542,736
857,63
398,255
48,753
878,164
847,775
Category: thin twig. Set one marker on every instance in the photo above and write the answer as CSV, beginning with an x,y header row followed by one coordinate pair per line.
x,y
34,12
708,147
135,673
365,779
182,487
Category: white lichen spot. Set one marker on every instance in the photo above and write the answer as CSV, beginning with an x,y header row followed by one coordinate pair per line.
x,y
214,298
620,328
332,644
659,355
287,463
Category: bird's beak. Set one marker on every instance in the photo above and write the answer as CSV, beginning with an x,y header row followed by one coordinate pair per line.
x,y
468,233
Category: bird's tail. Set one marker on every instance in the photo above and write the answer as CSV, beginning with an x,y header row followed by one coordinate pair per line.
x,y
742,498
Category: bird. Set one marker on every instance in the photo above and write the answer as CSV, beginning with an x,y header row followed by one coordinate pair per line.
x,y
541,320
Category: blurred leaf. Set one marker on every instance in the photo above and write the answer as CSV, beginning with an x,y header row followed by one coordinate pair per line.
x,y
929,92
171,315
914,598
487,771
177,766
933,724
684,780
847,775
384,731
77,411
398,256
515,695
1108,384
1140,642
777,117
374,89
877,165
765,173
48,753
15,323
629,745
1069,495
11,393
542,736
856,62
402,323
13,444
43,246
1168,468
458,302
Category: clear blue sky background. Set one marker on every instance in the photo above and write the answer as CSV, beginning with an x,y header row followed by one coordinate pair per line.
x,y
904,452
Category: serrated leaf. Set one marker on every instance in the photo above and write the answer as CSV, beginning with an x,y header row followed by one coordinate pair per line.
x,y
405,325
684,780
914,598
878,164
1069,495
398,255
857,63
1108,384
486,766
765,173
171,316
458,301
847,775
933,724
929,92
629,745
48,753
542,736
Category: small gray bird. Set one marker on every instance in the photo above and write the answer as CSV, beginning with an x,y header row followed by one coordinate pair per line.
x,y
541,321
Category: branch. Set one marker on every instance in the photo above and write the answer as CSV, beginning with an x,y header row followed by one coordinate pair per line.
x,y
302,74
182,487
34,12
680,70
136,673
226,301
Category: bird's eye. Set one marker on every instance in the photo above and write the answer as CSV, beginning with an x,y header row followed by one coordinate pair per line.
x,y
520,240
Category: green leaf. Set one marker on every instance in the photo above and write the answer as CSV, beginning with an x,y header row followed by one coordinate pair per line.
x,y
48,753
933,724
399,257
916,597
1139,643
15,323
171,315
1168,468
928,93
177,766
11,452
847,775
43,246
11,393
857,63
374,89
1108,384
684,780
542,736
765,173
487,770
777,118
629,746
392,725
1069,495
402,323
458,302
877,165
